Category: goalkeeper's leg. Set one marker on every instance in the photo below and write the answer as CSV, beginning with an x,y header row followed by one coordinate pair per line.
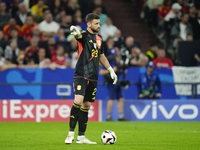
x,y
83,119
74,116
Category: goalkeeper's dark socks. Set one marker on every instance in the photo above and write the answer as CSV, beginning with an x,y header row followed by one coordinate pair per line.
x,y
83,119
74,116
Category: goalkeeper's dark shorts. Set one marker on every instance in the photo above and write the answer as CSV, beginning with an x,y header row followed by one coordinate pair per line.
x,y
85,87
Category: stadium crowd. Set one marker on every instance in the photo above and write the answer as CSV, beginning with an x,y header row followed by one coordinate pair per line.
x,y
173,21
38,34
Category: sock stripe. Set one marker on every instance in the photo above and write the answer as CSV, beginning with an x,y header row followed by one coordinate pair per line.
x,y
77,106
84,110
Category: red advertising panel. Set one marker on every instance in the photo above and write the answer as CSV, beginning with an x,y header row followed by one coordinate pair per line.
x,y
41,110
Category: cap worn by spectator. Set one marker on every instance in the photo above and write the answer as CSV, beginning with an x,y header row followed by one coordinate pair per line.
x,y
151,64
176,6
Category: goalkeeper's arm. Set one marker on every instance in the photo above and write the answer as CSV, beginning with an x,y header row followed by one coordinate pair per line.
x,y
75,31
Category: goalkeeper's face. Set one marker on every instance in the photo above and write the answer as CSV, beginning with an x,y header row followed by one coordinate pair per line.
x,y
94,25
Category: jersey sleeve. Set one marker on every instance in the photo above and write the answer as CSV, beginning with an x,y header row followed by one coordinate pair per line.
x,y
83,32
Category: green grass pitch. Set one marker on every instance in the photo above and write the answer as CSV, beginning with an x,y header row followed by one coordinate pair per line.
x,y
130,136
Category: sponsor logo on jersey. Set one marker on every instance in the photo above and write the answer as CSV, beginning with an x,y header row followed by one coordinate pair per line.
x,y
90,41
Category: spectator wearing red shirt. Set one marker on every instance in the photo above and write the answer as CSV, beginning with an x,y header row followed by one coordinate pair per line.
x,y
59,58
32,48
165,9
161,61
27,29
11,24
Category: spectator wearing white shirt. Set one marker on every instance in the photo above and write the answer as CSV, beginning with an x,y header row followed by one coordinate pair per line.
x,y
182,29
48,27
107,29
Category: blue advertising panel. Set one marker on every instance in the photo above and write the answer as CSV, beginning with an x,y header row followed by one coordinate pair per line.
x,y
161,110
52,91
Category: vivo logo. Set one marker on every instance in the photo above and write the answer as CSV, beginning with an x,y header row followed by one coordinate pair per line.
x,y
168,115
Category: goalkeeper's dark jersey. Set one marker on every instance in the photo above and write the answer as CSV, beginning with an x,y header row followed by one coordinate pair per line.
x,y
89,50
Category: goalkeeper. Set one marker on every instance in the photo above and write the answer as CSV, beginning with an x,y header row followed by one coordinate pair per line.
x,y
90,53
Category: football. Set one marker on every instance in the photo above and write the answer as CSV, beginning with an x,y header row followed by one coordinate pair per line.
x,y
108,137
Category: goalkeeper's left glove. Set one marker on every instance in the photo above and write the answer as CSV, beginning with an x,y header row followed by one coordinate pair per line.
x,y
75,31
112,74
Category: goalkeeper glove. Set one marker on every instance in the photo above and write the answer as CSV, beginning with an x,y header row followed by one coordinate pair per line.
x,y
75,31
112,74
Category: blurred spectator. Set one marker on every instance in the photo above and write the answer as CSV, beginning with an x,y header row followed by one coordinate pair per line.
x,y
60,15
171,18
45,12
1,36
107,29
118,38
143,60
72,47
110,49
36,34
2,59
59,58
68,62
37,10
31,49
65,24
60,36
14,7
22,15
11,25
135,57
129,43
41,59
11,51
164,9
78,20
97,3
114,90
152,52
52,47
55,7
98,10
149,85
27,29
48,27
193,20
20,58
153,6
184,5
4,17
14,35
72,7
182,29
161,61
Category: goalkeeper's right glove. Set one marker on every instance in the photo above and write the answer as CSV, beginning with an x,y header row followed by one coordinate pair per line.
x,y
112,74
75,31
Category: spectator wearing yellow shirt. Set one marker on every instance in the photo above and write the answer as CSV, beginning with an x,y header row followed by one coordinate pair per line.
x,y
37,11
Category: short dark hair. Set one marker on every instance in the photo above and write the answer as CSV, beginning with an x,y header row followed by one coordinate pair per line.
x,y
91,16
